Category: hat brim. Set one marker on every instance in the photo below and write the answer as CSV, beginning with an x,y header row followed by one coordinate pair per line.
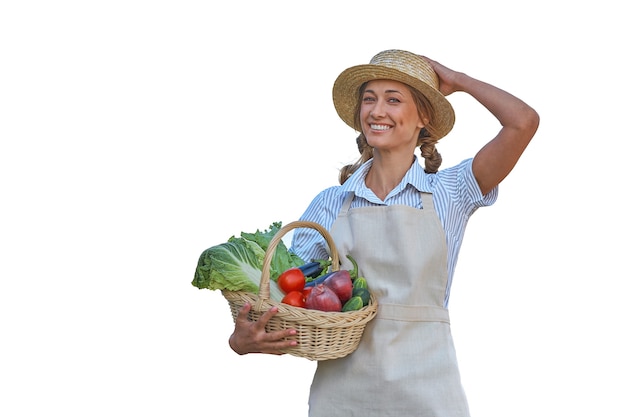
x,y
346,94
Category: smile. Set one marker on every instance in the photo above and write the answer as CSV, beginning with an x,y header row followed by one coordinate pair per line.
x,y
380,127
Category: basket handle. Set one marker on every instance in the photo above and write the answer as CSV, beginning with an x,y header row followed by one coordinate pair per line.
x,y
264,285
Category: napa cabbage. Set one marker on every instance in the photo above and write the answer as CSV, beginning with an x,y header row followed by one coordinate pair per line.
x,y
236,264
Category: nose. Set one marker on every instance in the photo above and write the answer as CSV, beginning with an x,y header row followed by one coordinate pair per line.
x,y
378,110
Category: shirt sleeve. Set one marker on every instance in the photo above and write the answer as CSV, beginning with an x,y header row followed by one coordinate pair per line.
x,y
463,189
308,243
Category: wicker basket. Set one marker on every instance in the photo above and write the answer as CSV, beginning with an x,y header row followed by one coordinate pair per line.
x,y
321,335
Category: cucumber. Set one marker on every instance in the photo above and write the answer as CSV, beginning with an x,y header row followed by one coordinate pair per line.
x,y
359,283
364,293
353,304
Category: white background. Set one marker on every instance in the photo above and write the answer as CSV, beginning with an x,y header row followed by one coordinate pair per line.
x,y
135,134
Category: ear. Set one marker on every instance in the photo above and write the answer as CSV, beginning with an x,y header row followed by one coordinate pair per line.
x,y
421,128
423,121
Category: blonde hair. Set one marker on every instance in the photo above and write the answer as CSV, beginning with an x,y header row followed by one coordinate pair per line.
x,y
426,140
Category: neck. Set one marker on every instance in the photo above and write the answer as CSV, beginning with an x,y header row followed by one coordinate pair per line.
x,y
386,172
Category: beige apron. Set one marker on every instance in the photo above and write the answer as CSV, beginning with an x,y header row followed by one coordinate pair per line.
x,y
406,363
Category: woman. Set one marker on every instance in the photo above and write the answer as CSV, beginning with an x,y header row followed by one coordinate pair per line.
x,y
404,225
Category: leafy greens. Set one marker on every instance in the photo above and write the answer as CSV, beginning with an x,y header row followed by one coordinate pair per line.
x,y
236,264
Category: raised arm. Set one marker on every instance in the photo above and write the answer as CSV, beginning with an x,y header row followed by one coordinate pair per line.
x,y
519,123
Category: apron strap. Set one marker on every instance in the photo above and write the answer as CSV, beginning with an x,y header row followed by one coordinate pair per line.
x,y
427,201
346,203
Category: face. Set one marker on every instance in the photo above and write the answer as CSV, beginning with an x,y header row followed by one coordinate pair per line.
x,y
389,116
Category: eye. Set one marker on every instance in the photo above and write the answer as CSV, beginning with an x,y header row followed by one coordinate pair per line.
x,y
394,100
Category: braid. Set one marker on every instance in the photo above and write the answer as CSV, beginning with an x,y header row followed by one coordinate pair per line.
x,y
432,157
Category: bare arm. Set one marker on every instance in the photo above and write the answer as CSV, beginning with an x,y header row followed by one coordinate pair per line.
x,y
519,124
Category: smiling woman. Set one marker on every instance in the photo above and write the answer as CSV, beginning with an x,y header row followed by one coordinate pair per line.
x,y
135,134
403,224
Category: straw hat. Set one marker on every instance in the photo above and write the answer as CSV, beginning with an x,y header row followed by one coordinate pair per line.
x,y
394,65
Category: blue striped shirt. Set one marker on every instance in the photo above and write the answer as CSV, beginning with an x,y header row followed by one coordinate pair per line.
x,y
456,196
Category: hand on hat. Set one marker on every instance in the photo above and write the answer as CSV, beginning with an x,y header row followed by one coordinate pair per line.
x,y
447,78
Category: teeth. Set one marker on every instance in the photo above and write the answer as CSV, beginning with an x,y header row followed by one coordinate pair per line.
x,y
379,127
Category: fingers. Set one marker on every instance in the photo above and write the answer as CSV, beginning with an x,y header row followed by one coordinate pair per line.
x,y
251,336
276,342
430,61
448,78
267,316
433,64
243,313
242,317
277,335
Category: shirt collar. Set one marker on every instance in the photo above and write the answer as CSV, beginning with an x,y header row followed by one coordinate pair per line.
x,y
415,177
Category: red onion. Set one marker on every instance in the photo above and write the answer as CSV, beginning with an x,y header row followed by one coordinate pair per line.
x,y
323,298
341,284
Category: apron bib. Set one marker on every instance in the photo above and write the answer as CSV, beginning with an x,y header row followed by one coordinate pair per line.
x,y
406,362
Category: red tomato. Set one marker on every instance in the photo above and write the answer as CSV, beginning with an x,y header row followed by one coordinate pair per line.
x,y
294,298
292,279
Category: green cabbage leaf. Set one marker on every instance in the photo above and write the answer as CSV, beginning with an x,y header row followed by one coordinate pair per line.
x,y
236,264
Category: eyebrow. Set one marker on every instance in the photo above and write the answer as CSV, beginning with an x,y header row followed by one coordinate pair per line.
x,y
386,91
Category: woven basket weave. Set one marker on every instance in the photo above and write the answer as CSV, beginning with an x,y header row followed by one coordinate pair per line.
x,y
321,335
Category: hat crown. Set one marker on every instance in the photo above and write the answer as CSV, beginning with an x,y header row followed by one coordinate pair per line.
x,y
408,63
